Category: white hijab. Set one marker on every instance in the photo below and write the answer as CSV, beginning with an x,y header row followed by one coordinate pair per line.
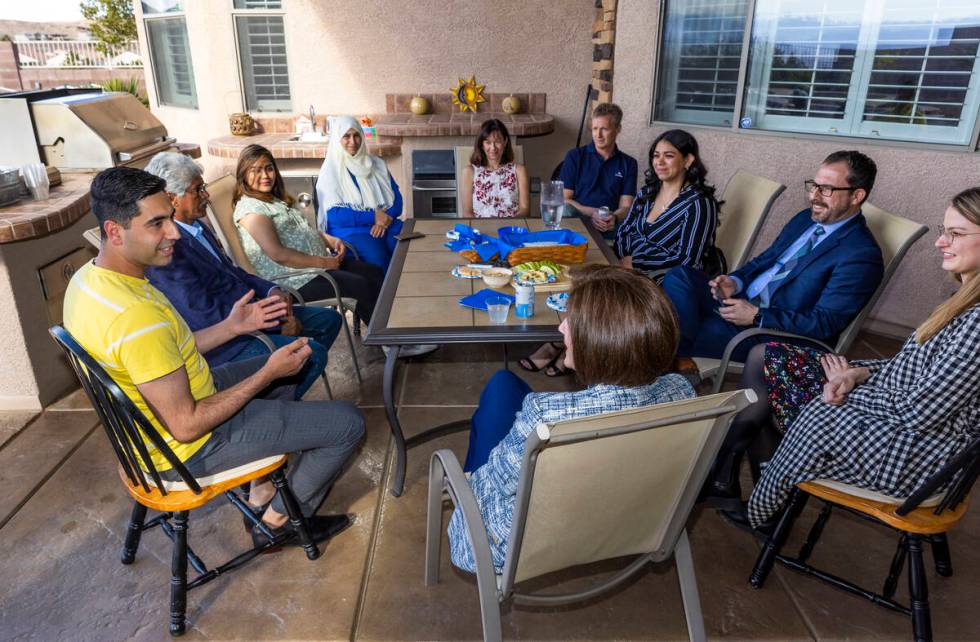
x,y
334,185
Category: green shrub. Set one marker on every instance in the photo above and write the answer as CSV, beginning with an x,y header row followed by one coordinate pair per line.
x,y
126,85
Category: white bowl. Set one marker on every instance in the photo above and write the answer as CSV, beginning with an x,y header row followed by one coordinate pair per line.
x,y
497,277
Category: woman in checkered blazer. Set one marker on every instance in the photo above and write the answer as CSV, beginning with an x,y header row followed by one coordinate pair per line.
x,y
888,424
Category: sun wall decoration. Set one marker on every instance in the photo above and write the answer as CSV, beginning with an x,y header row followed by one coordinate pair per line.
x,y
467,94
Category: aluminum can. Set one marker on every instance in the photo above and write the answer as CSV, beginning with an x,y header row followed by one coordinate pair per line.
x,y
524,304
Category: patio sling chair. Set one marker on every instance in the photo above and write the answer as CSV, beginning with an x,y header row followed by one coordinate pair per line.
x,y
635,473
894,234
128,429
94,237
925,516
220,215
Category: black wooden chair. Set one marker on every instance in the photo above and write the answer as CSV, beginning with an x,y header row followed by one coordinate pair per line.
x,y
128,430
925,517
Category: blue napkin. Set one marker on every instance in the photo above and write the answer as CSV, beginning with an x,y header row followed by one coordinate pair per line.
x,y
470,239
478,300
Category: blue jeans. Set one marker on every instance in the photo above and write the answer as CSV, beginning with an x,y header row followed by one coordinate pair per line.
x,y
321,325
500,402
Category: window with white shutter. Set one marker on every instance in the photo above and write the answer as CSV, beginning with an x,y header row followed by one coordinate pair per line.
x,y
701,54
170,53
891,69
262,55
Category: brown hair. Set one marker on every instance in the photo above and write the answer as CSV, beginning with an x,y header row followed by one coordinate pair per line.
x,y
249,156
623,327
966,203
609,109
479,157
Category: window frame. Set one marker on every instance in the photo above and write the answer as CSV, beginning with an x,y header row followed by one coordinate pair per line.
x,y
148,18
659,80
237,13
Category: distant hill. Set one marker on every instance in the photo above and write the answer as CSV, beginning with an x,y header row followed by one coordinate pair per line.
x,y
73,30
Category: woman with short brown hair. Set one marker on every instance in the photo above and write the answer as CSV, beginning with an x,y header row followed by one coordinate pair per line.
x,y
620,336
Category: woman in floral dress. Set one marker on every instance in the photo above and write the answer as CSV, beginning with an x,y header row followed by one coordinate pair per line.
x,y
494,184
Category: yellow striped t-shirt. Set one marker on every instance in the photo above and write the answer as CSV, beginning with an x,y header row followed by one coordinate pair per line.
x,y
130,327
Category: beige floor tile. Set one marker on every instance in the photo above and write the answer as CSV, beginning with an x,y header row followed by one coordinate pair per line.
x,y
76,400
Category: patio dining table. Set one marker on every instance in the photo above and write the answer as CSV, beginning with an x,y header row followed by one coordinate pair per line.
x,y
419,303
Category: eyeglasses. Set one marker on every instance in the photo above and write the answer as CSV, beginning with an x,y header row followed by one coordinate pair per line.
x,y
201,189
265,169
952,235
825,190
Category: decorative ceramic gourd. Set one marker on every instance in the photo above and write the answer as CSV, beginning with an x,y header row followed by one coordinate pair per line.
x,y
511,105
419,105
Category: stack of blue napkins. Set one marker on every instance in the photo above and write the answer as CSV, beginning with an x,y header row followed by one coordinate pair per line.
x,y
510,239
478,300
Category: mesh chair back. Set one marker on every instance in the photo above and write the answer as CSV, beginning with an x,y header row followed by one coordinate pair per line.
x,y
220,214
895,235
620,483
747,201
463,153
124,424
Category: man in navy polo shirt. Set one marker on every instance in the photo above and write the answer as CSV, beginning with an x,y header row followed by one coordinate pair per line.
x,y
598,174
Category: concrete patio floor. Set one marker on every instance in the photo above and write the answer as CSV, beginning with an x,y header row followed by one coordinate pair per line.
x,y
64,513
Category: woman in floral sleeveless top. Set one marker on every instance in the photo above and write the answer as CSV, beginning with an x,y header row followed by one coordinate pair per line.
x,y
494,185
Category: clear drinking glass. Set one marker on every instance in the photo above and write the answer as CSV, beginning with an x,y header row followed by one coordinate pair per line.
x,y
552,204
498,307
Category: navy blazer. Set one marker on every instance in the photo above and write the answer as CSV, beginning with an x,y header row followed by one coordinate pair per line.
x,y
203,288
828,287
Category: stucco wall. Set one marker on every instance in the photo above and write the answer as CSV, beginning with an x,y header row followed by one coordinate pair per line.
x,y
913,182
345,55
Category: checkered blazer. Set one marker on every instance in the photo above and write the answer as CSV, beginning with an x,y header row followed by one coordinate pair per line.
x,y
917,410
495,483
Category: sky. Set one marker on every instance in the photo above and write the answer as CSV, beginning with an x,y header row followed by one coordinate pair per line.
x,y
40,10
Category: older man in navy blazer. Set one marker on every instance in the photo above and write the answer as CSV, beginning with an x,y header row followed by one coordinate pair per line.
x,y
813,280
203,283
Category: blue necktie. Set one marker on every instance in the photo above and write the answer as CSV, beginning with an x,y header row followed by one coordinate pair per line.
x,y
765,296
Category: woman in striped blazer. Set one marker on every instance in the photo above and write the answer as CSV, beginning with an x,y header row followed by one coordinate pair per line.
x,y
673,218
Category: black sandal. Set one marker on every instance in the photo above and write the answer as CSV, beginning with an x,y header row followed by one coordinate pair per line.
x,y
528,364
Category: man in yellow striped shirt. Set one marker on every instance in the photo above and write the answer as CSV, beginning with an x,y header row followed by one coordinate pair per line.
x,y
213,421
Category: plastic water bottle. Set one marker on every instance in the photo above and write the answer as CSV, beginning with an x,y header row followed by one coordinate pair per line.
x,y
524,305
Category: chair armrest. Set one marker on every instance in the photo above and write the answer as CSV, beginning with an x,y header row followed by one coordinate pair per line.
x,y
445,473
748,334
352,250
266,341
315,272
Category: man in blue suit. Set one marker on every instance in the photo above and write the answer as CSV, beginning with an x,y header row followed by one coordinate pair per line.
x,y
813,280
203,283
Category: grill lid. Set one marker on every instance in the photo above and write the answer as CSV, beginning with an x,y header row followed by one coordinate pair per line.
x,y
118,118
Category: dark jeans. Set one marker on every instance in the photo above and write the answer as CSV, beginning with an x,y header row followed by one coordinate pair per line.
x,y
356,279
318,435
321,325
500,401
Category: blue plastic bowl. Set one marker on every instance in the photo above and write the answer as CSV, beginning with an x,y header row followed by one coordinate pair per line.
x,y
512,229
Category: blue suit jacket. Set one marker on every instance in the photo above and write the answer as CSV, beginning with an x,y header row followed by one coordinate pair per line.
x,y
203,289
828,287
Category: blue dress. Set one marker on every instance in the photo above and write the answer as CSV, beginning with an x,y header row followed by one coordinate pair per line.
x,y
354,227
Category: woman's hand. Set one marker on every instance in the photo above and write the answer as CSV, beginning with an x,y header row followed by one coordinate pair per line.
x,y
329,262
841,378
834,366
336,245
381,223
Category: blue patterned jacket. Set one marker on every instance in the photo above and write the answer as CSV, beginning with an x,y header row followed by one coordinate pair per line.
x,y
495,483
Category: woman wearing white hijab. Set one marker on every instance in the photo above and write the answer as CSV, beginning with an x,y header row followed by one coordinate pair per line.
x,y
359,200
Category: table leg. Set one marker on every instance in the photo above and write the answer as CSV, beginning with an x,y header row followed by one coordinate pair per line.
x,y
388,390
506,360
